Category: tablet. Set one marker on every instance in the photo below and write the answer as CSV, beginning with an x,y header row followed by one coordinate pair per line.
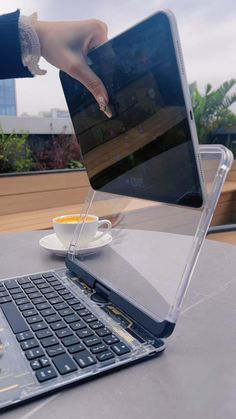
x,y
148,149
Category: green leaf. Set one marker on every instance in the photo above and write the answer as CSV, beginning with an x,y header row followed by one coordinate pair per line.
x,y
211,110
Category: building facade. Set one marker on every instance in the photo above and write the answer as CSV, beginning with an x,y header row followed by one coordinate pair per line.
x,y
8,97
55,113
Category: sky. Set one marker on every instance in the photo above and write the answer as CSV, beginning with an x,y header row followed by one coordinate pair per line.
x,y
207,33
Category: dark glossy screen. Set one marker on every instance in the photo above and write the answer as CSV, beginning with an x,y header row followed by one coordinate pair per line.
x,y
145,149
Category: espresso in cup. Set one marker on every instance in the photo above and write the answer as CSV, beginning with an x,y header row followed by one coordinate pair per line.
x,y
65,226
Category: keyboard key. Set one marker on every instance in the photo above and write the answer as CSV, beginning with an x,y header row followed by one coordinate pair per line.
x,y
77,306
90,318
49,276
39,281
109,340
68,297
58,325
47,312
69,341
10,284
73,301
14,318
42,285
55,282
27,306
34,353
84,359
96,325
99,348
53,318
22,281
103,332
83,312
56,300
41,334
43,306
4,300
57,286
26,286
29,344
31,312
18,296
44,361
83,333
35,364
14,291
105,356
64,364
91,341
34,319
78,325
47,290
55,350
120,348
35,295
46,374
61,306
30,290
50,341
64,291
72,318
24,336
66,312
51,281
39,300
35,276
4,294
76,348
64,333
22,301
38,326
51,295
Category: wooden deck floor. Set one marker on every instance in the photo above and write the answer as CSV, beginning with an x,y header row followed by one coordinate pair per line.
x,y
30,203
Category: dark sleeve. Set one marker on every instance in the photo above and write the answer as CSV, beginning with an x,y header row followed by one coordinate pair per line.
x,y
11,65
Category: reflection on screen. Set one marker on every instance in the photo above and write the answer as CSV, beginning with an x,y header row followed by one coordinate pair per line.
x,y
145,149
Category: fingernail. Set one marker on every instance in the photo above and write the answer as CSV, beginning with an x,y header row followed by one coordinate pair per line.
x,y
107,111
104,107
101,102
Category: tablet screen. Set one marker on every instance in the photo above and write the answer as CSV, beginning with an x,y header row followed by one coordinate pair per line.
x,y
145,149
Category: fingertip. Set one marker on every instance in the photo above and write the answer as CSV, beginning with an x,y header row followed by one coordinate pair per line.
x,y
104,106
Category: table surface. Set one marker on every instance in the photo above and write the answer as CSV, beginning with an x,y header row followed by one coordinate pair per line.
x,y
194,378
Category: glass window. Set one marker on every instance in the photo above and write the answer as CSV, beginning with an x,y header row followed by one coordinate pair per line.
x,y
9,82
7,97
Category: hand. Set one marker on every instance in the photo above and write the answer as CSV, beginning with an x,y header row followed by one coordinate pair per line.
x,y
66,45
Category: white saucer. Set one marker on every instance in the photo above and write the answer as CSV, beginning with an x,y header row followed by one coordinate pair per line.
x,y
52,244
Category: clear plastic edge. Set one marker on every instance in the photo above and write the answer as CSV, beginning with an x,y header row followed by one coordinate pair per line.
x,y
226,160
205,220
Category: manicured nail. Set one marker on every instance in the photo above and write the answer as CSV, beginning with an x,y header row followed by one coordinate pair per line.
x,y
104,107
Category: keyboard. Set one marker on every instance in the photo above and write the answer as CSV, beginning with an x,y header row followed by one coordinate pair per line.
x,y
57,333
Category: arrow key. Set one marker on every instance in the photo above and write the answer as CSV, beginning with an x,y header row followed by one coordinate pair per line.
x,y
46,374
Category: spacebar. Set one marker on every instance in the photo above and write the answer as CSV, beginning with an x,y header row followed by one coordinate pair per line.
x,y
14,318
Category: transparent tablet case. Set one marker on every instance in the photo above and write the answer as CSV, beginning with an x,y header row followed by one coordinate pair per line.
x,y
144,263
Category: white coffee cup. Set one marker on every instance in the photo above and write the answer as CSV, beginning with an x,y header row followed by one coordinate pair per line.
x,y
65,225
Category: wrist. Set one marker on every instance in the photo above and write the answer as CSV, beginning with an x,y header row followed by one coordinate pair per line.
x,y
39,27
